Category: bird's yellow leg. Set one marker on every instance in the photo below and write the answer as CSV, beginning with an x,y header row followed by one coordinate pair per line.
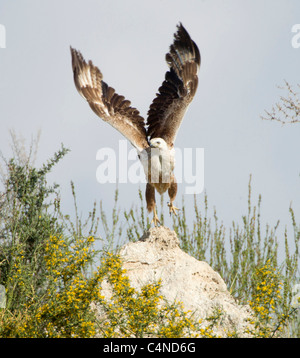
x,y
155,219
172,208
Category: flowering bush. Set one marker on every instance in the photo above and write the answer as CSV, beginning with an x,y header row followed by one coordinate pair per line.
x,y
47,266
131,313
265,302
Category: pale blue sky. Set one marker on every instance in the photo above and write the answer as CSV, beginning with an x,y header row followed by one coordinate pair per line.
x,y
246,52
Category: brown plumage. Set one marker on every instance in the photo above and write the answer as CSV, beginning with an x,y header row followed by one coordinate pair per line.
x,y
154,140
177,91
106,103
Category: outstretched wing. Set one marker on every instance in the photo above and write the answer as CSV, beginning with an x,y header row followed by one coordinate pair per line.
x,y
106,103
177,91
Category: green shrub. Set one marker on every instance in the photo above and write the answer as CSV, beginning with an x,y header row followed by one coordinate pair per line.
x,y
52,271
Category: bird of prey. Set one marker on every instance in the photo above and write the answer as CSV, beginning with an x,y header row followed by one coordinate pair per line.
x,y
153,138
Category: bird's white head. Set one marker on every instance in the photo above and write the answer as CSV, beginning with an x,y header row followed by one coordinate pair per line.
x,y
158,143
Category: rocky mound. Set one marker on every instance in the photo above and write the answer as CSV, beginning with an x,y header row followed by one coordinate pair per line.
x,y
157,255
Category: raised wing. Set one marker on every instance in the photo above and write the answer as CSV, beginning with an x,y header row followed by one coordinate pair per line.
x,y
106,103
177,91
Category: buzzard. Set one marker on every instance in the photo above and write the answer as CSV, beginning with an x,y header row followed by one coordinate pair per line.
x,y
153,139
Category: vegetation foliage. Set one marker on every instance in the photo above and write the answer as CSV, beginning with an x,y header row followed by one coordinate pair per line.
x,y
52,268
287,109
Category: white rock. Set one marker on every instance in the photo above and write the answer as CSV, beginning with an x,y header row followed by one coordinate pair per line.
x,y
157,255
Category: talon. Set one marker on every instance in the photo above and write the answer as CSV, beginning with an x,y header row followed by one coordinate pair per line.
x,y
155,219
172,209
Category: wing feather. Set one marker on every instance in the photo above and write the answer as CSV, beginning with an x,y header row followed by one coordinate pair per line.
x,y
178,89
106,103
